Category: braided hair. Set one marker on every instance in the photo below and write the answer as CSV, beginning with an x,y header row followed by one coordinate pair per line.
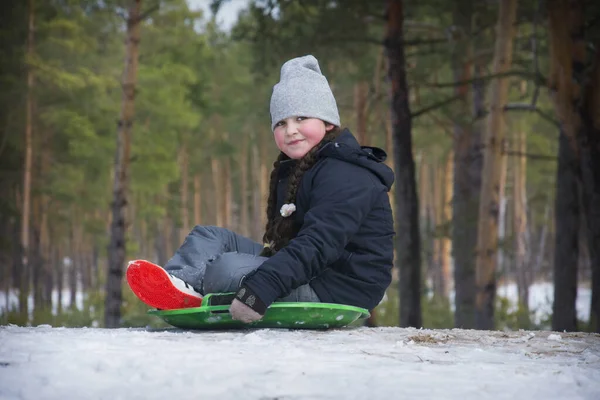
x,y
279,230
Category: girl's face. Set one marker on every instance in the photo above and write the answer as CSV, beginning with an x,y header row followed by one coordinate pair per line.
x,y
295,136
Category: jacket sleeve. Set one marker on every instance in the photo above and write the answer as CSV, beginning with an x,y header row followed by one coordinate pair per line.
x,y
341,196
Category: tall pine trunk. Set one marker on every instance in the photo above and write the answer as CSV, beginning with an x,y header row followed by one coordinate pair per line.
x,y
197,199
243,168
408,247
185,217
590,170
27,170
257,211
566,250
487,232
361,91
575,85
467,171
446,219
228,194
522,264
215,164
118,229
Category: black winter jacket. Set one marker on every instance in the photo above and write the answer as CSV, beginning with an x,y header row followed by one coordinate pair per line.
x,y
344,247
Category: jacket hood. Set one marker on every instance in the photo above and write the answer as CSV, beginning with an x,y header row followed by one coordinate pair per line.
x,y
347,148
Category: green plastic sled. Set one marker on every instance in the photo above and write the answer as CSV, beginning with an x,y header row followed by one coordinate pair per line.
x,y
213,314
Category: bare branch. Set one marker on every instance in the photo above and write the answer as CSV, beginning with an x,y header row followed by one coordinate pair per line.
x,y
523,107
537,78
435,105
530,107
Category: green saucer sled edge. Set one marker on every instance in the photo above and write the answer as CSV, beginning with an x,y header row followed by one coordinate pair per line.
x,y
279,315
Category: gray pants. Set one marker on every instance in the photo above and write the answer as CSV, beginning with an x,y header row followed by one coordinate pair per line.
x,y
216,260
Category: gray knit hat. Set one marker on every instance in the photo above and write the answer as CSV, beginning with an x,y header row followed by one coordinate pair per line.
x,y
304,92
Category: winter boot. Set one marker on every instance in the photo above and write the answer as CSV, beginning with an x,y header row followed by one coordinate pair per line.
x,y
159,289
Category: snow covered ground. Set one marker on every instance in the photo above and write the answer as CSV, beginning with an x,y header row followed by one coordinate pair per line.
x,y
355,363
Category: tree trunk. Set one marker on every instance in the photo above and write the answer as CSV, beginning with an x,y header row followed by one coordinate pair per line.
x,y
45,253
467,173
197,199
117,246
590,169
227,195
522,264
27,167
446,219
427,216
263,184
185,217
60,279
436,217
566,251
36,260
361,91
257,211
408,246
503,205
244,187
575,85
160,243
96,267
487,237
217,178
73,264
541,251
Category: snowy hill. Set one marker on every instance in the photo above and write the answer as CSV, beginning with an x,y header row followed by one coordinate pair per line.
x,y
359,363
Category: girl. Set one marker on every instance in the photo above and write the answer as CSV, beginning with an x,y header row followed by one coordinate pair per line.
x,y
329,235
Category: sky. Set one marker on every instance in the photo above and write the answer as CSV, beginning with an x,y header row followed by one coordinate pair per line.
x,y
357,363
227,14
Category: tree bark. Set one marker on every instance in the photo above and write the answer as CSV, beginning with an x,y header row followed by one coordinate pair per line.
x,y
436,217
361,91
566,251
487,237
503,205
446,219
36,261
228,195
590,168
408,247
27,167
60,278
185,217
263,184
522,264
575,85
257,211
117,246
244,187
467,172
197,199
160,242
218,188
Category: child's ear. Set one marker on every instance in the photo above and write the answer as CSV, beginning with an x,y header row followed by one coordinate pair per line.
x,y
329,127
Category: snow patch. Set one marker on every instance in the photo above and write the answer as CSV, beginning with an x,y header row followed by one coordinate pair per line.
x,y
349,363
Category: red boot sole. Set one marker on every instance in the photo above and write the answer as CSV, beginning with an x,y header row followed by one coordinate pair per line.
x,y
152,285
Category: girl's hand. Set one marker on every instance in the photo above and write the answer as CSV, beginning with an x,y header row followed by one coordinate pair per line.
x,y
241,312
